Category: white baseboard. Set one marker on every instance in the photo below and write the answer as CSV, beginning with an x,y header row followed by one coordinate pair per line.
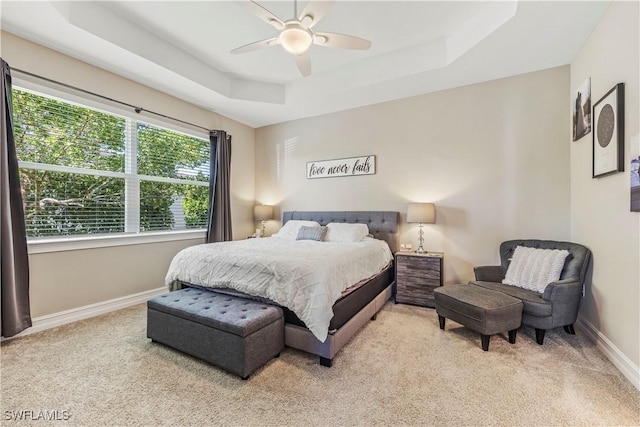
x,y
73,315
621,361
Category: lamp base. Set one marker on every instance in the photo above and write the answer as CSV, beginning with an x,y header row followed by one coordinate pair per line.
x,y
420,249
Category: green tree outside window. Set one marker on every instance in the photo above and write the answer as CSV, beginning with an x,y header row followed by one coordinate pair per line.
x,y
74,178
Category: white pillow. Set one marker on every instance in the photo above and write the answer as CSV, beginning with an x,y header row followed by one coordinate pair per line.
x,y
534,269
292,227
343,232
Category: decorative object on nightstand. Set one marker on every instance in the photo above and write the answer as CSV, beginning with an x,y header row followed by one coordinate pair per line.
x,y
262,213
417,275
422,213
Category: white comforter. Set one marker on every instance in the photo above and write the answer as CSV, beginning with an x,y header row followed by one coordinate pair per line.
x,y
304,275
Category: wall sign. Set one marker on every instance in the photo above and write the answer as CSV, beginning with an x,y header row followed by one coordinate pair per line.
x,y
364,165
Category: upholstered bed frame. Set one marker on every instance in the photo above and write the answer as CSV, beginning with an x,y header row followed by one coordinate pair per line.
x,y
382,225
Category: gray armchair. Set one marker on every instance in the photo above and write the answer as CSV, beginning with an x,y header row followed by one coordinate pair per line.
x,y
558,305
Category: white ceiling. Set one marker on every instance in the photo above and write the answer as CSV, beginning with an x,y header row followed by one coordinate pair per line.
x,y
182,48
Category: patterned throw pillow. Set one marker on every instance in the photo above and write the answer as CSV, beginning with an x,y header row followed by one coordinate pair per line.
x,y
534,269
311,233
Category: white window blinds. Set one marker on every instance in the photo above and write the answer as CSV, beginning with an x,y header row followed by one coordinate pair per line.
x,y
85,171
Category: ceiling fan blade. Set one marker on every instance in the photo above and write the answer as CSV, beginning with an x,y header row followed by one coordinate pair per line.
x,y
341,41
304,63
256,45
314,11
265,15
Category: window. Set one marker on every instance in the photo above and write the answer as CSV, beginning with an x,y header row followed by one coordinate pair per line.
x,y
89,172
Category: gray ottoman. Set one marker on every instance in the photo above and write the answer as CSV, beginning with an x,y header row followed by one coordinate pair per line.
x,y
235,334
482,310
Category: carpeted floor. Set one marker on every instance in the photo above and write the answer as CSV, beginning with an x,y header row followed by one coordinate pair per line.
x,y
400,369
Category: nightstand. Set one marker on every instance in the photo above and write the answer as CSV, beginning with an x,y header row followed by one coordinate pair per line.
x,y
417,275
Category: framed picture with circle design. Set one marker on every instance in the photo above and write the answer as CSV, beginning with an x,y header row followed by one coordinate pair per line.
x,y
608,133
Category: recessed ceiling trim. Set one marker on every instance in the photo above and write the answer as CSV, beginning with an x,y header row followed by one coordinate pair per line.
x,y
491,17
116,29
182,48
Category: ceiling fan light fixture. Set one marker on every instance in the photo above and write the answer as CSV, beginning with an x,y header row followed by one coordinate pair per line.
x,y
318,39
297,35
295,39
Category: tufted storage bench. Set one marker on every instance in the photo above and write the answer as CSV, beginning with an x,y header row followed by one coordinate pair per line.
x,y
235,334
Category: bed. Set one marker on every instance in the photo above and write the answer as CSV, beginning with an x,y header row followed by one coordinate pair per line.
x,y
352,309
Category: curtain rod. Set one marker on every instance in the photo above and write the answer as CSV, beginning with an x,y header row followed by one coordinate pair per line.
x,y
135,108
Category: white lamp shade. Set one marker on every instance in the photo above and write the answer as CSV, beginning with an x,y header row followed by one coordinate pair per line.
x,y
262,212
424,213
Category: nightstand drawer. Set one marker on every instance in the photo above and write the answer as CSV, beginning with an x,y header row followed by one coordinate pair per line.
x,y
416,295
414,262
429,272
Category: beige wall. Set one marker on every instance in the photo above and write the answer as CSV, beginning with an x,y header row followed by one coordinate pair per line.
x,y
600,216
71,279
492,156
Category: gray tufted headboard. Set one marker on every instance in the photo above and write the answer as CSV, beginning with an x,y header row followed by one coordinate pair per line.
x,y
382,225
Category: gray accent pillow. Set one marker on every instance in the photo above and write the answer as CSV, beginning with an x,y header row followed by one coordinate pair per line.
x,y
311,233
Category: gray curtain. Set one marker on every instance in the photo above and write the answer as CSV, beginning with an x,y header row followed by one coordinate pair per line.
x,y
15,315
219,224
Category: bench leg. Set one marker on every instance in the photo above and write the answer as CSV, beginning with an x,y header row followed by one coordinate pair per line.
x,y
441,319
485,341
512,336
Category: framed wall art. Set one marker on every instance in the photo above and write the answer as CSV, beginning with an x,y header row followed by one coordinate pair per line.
x,y
608,133
635,184
582,110
634,173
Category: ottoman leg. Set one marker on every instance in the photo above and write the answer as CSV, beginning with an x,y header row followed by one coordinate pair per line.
x,y
324,361
485,342
441,319
512,336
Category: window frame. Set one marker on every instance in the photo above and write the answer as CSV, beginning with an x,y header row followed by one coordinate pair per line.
x,y
39,245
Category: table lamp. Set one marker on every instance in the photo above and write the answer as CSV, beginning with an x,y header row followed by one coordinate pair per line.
x,y
262,213
422,213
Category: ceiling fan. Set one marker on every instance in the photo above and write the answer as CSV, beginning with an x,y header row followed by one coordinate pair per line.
x,y
296,35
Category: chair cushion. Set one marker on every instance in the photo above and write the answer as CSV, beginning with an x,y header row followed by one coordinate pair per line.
x,y
533,302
